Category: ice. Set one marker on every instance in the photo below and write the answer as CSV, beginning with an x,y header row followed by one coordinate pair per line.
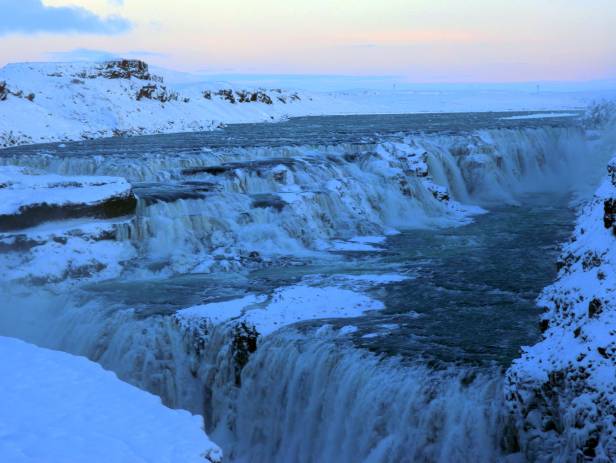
x,y
300,303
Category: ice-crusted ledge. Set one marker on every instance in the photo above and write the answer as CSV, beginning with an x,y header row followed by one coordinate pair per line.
x,y
57,407
286,306
29,197
562,391
54,227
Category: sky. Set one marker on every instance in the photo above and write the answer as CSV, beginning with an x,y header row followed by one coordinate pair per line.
x,y
409,40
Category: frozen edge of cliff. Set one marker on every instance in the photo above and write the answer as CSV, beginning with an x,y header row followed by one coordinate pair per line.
x,y
58,407
562,391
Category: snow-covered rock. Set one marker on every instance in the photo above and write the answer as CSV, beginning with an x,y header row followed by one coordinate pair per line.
x,y
562,391
44,102
59,408
54,227
29,197
286,306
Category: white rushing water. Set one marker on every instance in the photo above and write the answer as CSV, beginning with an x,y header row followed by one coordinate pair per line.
x,y
301,399
306,400
215,210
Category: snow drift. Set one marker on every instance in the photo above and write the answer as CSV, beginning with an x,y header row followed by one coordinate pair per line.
x,y
58,408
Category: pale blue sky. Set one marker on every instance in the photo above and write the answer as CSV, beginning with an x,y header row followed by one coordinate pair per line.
x,y
417,40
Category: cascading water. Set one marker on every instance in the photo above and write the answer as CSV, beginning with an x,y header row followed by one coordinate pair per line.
x,y
259,218
305,400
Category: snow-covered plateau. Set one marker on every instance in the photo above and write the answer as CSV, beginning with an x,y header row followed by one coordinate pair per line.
x,y
324,289
47,102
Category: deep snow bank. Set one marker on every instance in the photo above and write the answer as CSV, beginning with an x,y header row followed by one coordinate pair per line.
x,y
59,408
562,391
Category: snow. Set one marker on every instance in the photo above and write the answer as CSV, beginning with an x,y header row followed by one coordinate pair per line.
x,y
540,116
315,297
59,249
219,312
74,101
287,305
59,408
300,303
21,188
575,361
347,329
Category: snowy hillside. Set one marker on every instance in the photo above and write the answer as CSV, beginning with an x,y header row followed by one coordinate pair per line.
x,y
60,408
563,389
51,102
44,102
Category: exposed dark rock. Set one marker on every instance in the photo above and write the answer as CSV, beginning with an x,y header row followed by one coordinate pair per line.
x,y
566,261
156,92
227,94
268,201
244,96
151,193
244,344
594,307
611,170
259,166
5,92
125,69
591,260
609,212
36,214
247,96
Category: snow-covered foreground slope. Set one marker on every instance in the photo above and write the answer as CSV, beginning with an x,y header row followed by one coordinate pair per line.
x,y
42,102
562,391
58,408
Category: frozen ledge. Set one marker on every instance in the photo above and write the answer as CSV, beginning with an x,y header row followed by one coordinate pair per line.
x,y
30,197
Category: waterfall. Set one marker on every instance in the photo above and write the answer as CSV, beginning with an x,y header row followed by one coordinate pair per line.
x,y
211,211
310,400
300,397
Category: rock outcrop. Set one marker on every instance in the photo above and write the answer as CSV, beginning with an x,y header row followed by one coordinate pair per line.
x,y
29,198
